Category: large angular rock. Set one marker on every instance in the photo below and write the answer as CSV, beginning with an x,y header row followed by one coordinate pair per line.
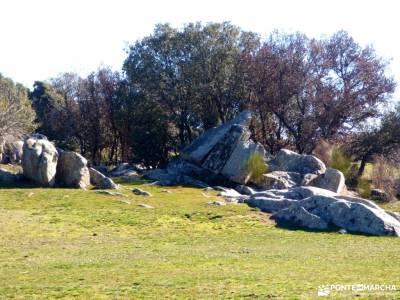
x,y
281,180
235,167
199,149
72,170
101,181
290,161
332,180
39,161
223,150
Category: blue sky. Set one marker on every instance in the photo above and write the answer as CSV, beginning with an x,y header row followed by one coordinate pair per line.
x,y
42,38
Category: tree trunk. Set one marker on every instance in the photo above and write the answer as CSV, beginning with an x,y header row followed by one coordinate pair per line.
x,y
362,165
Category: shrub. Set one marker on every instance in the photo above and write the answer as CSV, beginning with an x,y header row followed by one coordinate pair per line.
x,y
324,151
385,176
255,168
363,188
340,161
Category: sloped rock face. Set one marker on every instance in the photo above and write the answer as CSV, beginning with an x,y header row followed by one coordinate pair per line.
x,y
199,149
72,170
235,167
224,150
39,161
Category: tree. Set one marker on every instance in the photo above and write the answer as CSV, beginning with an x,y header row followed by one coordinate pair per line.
x,y
305,90
145,131
16,114
47,104
376,140
194,75
96,122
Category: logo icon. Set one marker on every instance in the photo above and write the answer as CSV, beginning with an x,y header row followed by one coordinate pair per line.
x,y
323,291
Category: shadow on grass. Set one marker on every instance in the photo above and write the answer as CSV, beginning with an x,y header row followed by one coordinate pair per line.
x,y
332,229
22,184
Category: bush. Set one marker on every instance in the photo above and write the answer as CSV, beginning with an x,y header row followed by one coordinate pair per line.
x,y
385,176
363,188
323,151
340,161
255,168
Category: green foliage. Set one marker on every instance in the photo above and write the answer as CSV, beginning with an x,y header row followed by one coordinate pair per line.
x,y
147,129
364,187
340,161
16,113
256,167
195,74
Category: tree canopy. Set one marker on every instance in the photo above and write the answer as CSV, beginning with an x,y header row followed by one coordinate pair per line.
x,y
177,83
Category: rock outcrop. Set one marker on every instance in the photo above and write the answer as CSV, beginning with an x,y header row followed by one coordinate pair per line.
x,y
289,169
320,209
39,161
333,211
72,170
290,161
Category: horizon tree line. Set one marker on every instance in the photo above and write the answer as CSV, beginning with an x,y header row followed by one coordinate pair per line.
x,y
177,83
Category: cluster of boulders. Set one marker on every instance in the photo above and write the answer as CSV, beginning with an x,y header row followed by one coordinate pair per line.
x,y
299,190
289,169
45,165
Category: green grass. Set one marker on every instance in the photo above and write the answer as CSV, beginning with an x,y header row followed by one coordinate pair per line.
x,y
64,243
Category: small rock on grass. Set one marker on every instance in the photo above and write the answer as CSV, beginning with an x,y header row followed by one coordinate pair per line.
x,y
209,188
217,203
141,192
166,191
145,205
104,192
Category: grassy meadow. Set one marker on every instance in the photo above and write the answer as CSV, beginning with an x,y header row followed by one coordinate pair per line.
x,y
65,243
